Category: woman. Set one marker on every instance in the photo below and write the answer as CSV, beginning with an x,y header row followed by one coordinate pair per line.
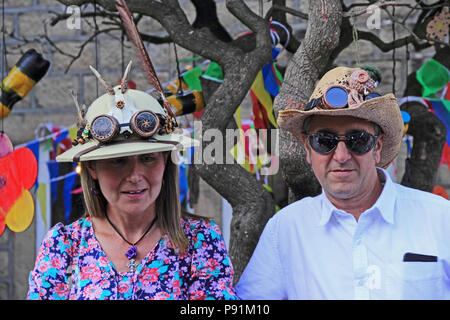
x,y
133,243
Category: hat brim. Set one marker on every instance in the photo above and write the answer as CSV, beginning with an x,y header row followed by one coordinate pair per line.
x,y
383,111
126,148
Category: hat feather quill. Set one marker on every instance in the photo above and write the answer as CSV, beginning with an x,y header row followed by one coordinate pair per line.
x,y
141,51
81,111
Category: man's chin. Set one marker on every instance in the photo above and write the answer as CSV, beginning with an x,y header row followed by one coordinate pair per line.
x,y
341,192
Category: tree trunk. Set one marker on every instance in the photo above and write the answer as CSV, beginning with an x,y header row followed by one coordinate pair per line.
x,y
305,67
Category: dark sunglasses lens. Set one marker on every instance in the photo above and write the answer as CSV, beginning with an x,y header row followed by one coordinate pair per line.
x,y
323,142
336,97
372,95
145,123
359,142
104,128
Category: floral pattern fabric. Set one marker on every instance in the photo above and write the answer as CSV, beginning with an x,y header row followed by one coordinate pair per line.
x,y
72,265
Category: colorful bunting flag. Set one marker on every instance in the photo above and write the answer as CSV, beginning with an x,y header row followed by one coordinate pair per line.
x,y
53,169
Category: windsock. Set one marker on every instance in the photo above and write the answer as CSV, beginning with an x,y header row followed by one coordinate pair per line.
x,y
30,68
183,99
188,102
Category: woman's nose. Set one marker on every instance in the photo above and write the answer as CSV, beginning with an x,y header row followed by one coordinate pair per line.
x,y
134,171
341,153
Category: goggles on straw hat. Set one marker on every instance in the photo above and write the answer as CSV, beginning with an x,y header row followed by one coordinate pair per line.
x,y
123,122
350,92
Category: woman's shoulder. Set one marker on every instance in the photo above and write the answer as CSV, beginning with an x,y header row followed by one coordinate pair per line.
x,y
196,226
61,233
194,223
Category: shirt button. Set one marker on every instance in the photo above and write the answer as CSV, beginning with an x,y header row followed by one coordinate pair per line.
x,y
360,283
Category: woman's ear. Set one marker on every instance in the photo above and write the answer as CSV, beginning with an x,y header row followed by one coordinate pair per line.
x,y
166,155
90,165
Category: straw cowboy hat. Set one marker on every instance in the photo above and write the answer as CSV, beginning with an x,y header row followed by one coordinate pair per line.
x,y
123,122
359,84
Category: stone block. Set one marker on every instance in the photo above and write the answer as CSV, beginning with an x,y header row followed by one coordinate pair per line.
x,y
53,92
24,259
4,291
18,3
20,127
31,24
110,52
62,60
150,26
9,24
363,50
4,262
4,237
209,203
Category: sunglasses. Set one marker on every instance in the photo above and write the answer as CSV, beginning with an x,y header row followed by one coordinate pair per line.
x,y
144,123
336,97
358,142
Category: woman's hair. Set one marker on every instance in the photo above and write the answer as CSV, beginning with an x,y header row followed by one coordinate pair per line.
x,y
168,208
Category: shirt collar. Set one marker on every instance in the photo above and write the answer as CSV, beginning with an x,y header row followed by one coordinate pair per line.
x,y
384,204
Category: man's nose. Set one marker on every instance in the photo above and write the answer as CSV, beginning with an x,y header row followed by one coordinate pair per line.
x,y
341,153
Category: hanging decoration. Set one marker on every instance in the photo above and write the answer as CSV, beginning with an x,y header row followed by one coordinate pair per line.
x,y
185,92
18,171
435,77
267,84
438,27
263,91
30,68
184,100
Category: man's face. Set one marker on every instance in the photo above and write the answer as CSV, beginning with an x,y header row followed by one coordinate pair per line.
x,y
343,174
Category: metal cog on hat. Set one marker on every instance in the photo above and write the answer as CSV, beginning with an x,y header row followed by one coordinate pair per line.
x,y
373,72
360,84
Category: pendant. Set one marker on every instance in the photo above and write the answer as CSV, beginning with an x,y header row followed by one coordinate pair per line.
x,y
131,254
132,265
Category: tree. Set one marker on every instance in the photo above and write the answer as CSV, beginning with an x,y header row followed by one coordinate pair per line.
x,y
330,30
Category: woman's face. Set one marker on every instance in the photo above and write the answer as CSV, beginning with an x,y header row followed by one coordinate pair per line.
x,y
130,184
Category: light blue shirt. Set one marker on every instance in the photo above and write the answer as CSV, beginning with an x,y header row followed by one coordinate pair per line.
x,y
312,250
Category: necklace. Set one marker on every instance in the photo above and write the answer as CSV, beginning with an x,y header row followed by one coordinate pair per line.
x,y
132,251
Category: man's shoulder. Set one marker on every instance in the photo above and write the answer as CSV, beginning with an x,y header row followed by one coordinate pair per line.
x,y
303,209
420,197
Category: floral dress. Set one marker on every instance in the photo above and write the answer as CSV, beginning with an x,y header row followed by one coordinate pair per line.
x,y
72,265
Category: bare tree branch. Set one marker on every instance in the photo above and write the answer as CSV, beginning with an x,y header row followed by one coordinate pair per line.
x,y
352,13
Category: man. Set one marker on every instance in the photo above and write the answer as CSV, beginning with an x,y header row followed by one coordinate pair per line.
x,y
364,236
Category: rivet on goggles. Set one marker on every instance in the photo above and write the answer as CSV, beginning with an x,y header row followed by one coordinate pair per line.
x,y
336,97
359,142
144,123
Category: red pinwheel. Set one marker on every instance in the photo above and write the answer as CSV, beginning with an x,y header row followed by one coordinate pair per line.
x,y
18,172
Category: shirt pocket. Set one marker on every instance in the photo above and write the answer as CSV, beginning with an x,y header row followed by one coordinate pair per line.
x,y
416,280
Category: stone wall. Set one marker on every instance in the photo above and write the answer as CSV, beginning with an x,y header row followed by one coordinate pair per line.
x,y
50,101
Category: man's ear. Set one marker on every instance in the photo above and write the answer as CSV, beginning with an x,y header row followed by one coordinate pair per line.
x,y
304,140
378,148
90,165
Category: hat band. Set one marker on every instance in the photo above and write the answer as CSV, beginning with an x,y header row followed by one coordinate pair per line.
x,y
77,157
